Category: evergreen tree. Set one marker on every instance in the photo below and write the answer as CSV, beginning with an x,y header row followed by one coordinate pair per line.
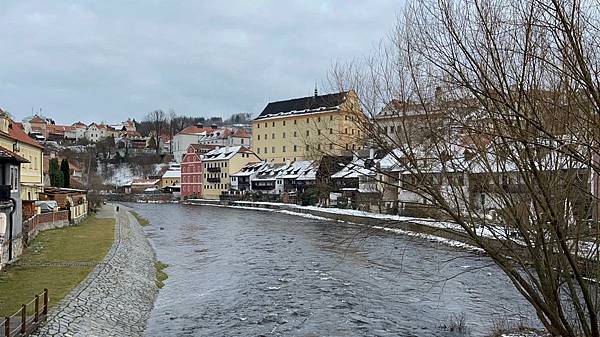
x,y
66,172
56,176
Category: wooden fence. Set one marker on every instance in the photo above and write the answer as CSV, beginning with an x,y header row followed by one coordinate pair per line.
x,y
22,322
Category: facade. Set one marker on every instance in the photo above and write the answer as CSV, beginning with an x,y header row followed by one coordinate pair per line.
x,y
13,137
171,178
10,164
192,182
219,164
309,127
186,137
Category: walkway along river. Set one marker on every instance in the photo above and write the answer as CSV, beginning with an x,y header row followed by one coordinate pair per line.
x,y
242,272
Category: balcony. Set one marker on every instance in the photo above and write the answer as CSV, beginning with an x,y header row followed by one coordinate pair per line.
x,y
213,169
213,180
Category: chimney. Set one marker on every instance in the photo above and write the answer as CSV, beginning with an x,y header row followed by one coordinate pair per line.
x,y
213,126
200,125
371,153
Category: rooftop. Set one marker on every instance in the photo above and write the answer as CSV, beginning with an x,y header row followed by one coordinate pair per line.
x,y
303,105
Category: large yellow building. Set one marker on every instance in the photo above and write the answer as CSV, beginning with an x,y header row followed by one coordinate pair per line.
x,y
308,127
14,138
219,164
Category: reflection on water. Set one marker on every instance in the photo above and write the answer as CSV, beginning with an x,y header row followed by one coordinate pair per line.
x,y
250,273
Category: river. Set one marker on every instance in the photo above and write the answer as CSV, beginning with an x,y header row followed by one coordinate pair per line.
x,y
237,272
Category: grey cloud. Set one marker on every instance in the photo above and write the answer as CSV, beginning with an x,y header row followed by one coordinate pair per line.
x,y
103,60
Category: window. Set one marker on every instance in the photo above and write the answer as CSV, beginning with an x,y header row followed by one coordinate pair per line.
x,y
295,148
284,148
318,146
265,149
258,125
295,122
319,118
331,146
266,125
307,133
272,149
352,131
284,135
266,136
319,132
307,147
272,136
307,121
330,131
258,137
295,134
283,123
346,131
331,117
273,123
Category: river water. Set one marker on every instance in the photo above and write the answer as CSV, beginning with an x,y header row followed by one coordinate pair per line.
x,y
237,272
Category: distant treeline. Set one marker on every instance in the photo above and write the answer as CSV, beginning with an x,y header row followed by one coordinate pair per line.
x,y
175,123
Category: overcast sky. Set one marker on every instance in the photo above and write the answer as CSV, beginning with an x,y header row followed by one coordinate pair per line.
x,y
106,60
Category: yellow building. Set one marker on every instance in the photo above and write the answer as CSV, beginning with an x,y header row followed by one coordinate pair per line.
x,y
219,164
308,127
14,138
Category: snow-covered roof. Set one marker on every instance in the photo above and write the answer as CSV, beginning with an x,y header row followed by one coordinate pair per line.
x,y
172,174
250,169
224,153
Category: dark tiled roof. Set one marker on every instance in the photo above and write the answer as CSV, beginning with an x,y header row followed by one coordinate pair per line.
x,y
299,106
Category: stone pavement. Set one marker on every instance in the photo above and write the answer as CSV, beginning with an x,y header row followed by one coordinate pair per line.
x,y
117,296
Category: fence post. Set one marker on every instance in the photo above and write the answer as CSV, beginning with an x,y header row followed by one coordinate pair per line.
x,y
23,318
37,309
7,326
45,311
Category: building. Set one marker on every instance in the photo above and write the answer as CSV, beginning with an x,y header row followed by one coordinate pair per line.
x,y
171,180
242,180
227,137
192,182
73,200
219,164
309,127
11,243
186,137
13,137
144,185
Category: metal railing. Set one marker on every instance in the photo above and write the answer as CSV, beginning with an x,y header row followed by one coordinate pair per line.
x,y
22,323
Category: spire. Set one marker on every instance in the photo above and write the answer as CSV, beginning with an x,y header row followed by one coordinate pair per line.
x,y
316,91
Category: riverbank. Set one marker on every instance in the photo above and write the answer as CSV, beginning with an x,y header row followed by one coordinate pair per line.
x,y
446,233
58,260
117,296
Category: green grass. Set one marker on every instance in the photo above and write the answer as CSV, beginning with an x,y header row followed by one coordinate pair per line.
x,y
161,276
142,221
88,243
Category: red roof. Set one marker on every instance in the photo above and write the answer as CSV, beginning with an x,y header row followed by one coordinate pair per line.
x,y
242,133
16,131
192,130
79,124
37,119
60,129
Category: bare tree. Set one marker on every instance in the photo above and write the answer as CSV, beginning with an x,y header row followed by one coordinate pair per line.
x,y
158,126
488,112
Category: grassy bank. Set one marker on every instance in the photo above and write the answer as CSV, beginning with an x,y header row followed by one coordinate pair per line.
x,y
161,276
57,259
140,219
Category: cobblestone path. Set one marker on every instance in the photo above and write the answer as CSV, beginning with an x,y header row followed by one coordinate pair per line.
x,y
117,296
